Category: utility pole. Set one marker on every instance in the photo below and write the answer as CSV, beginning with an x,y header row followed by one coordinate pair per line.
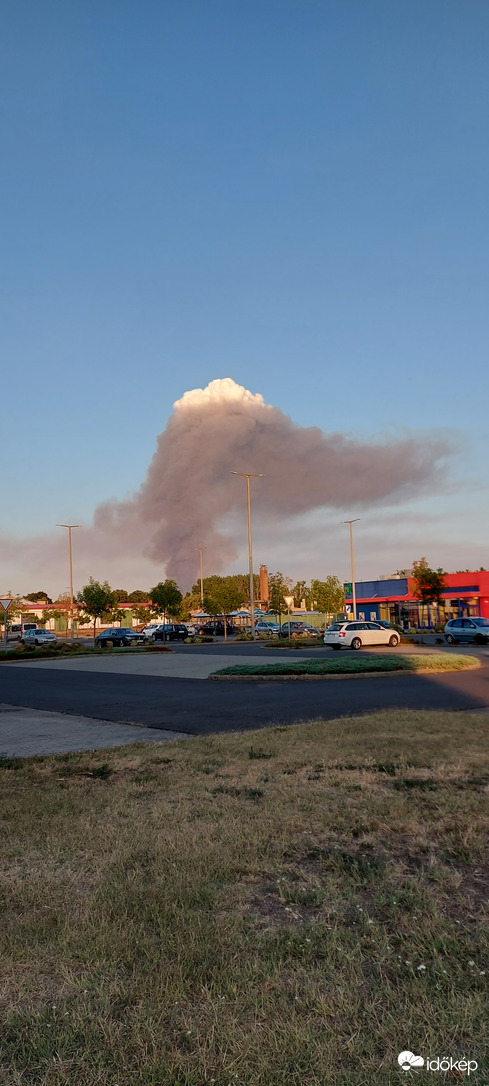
x,y
201,550
351,523
70,556
249,475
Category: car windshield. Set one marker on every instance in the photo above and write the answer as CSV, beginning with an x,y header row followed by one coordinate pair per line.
x,y
481,621
335,626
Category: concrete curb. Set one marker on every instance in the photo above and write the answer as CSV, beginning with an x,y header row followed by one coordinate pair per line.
x,y
340,676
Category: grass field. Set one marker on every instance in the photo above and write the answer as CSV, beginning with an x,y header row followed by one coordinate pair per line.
x,y
290,907
355,664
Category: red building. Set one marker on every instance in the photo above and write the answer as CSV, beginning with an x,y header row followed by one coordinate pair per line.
x,y
395,599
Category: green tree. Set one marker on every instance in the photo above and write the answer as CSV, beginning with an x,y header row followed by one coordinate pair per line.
x,y
120,595
14,610
428,583
279,586
38,597
48,614
226,598
328,595
300,592
97,600
236,583
138,596
167,598
191,602
144,614
64,609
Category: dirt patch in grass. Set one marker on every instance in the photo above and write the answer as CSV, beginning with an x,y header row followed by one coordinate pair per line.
x,y
257,909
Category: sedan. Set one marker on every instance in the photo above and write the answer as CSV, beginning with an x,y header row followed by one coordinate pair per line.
x,y
271,628
169,631
354,635
466,629
215,629
298,629
121,636
39,637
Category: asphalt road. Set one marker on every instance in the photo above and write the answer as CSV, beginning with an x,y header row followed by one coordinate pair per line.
x,y
196,706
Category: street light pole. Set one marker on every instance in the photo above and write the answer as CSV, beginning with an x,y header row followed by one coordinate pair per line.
x,y
69,527
248,476
200,550
351,523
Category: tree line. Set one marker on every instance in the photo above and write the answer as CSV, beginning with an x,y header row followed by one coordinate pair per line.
x,y
221,595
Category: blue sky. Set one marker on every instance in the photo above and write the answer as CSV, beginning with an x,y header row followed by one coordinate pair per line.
x,y
292,194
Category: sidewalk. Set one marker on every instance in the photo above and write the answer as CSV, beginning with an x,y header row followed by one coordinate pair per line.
x,y
24,732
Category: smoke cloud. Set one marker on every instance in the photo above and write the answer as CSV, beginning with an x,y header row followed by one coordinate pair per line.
x,y
189,496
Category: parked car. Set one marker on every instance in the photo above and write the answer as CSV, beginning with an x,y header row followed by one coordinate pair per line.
x,y
16,631
121,636
271,628
215,628
389,625
169,631
299,629
39,637
465,629
149,629
353,635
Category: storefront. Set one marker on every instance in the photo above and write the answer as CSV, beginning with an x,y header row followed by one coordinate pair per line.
x,y
395,600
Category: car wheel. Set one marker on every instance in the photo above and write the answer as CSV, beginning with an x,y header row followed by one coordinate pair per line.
x,y
393,641
356,643
450,640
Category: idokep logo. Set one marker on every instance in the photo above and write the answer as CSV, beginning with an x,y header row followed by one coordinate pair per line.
x,y
411,1063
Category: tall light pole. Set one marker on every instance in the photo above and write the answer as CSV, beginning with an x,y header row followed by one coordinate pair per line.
x,y
201,550
351,523
69,527
249,475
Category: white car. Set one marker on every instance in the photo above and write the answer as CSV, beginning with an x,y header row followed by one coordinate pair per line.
x,y
39,637
16,632
353,635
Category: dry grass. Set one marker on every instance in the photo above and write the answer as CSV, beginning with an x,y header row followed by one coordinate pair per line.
x,y
247,909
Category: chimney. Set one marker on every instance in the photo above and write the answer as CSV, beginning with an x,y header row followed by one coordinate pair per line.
x,y
264,591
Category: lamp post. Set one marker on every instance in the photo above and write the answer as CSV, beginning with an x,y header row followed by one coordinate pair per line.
x,y
201,550
249,475
351,523
69,527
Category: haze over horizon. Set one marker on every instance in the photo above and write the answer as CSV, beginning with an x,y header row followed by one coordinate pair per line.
x,y
190,497
289,195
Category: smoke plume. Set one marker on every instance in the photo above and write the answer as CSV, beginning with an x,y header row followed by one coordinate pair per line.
x,y
190,493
